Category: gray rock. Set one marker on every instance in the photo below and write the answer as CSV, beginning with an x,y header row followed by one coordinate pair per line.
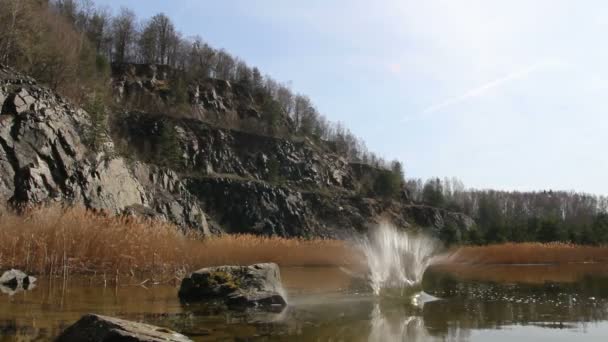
x,y
97,328
255,285
44,157
22,101
254,207
16,280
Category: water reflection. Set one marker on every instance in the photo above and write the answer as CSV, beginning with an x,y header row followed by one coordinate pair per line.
x,y
401,326
471,309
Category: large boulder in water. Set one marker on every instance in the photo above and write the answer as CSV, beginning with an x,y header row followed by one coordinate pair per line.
x,y
96,328
255,285
16,280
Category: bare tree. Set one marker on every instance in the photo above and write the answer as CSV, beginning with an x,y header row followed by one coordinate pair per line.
x,y
124,33
224,65
98,31
200,59
163,31
147,44
285,98
244,75
16,26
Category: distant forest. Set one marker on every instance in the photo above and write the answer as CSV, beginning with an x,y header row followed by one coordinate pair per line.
x,y
70,45
502,216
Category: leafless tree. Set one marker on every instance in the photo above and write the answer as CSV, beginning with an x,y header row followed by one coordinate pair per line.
x,y
124,34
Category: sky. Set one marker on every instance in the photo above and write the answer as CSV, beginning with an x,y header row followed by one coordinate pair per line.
x,y
503,94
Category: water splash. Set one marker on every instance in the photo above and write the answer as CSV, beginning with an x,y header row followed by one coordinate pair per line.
x,y
397,259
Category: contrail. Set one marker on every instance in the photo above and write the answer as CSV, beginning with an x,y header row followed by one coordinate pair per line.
x,y
478,91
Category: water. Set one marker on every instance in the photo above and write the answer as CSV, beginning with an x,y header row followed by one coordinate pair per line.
x,y
496,303
397,259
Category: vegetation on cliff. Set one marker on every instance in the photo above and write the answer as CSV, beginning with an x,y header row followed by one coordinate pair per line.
x,y
70,45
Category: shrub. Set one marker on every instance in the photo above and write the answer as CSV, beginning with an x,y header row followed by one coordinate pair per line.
x,y
169,149
97,134
387,184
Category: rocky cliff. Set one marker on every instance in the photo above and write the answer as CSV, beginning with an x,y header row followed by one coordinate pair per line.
x,y
44,157
217,179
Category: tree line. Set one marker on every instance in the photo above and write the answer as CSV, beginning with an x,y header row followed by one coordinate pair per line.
x,y
502,216
70,44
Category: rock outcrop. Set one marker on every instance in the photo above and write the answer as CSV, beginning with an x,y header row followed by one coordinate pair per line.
x,y
214,179
213,100
97,328
257,184
237,286
45,157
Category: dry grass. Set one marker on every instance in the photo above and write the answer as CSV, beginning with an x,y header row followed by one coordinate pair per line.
x,y
522,274
527,253
55,241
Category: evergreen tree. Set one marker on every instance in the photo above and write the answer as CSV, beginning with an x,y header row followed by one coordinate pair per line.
x,y
97,134
432,193
600,229
387,184
169,148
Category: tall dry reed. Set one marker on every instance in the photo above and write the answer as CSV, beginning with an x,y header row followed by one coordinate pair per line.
x,y
56,241
527,253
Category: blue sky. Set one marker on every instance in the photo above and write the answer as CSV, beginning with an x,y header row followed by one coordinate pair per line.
x,y
502,94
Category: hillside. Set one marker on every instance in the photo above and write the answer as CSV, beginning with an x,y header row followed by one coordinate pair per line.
x,y
214,179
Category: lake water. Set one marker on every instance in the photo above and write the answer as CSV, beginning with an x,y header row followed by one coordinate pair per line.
x,y
477,303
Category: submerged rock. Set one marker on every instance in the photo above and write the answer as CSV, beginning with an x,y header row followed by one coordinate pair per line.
x,y
14,280
97,328
240,286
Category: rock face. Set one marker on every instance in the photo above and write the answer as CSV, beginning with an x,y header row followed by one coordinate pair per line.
x,y
255,207
97,328
45,157
237,286
213,100
221,180
211,150
256,184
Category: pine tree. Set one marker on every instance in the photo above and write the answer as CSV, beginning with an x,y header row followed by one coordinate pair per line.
x,y
97,133
169,148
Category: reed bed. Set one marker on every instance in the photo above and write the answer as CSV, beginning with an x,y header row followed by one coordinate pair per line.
x,y
527,253
62,241
522,274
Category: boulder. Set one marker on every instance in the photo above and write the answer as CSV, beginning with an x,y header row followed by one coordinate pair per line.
x,y
16,279
97,328
237,286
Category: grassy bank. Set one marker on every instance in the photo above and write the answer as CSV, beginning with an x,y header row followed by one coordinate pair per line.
x,y
527,253
55,241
